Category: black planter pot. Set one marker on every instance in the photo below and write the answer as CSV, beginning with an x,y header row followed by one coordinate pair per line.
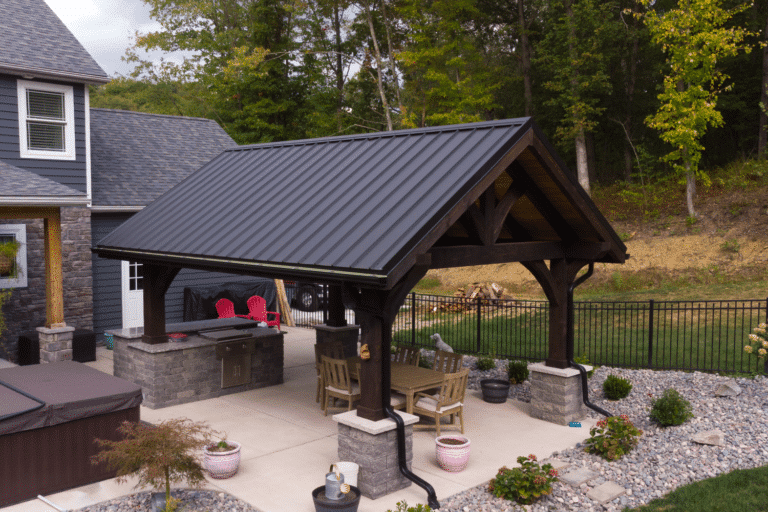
x,y
495,391
348,503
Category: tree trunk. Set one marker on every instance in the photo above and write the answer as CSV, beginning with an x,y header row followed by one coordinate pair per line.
x,y
690,188
762,141
391,50
377,54
339,71
525,55
582,170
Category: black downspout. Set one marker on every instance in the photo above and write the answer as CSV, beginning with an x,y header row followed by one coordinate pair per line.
x,y
386,376
13,415
569,344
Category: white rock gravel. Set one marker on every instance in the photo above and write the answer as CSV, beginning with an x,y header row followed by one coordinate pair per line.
x,y
664,459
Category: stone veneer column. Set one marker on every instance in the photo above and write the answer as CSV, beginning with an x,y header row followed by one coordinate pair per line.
x,y
556,394
348,335
372,445
55,344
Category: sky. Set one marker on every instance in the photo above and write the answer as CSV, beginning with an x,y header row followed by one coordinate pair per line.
x,y
105,27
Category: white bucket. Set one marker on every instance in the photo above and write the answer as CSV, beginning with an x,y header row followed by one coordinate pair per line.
x,y
349,470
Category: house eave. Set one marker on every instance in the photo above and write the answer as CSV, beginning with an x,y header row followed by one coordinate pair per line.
x,y
43,201
51,74
116,209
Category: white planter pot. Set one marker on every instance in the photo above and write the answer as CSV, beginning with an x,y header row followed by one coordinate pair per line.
x,y
222,464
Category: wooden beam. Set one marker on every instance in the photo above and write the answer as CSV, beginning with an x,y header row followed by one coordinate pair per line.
x,y
587,250
545,208
157,279
465,255
28,212
54,283
501,211
336,316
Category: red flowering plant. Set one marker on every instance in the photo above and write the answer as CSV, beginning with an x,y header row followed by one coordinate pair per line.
x,y
525,484
613,437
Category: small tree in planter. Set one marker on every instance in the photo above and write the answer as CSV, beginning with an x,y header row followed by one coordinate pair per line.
x,y
158,454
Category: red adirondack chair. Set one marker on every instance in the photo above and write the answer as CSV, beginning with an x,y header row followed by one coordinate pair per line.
x,y
257,309
226,309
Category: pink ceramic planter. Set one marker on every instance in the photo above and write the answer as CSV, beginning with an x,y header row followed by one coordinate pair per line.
x,y
222,464
452,457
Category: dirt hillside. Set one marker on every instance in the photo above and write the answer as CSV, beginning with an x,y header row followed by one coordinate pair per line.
x,y
730,236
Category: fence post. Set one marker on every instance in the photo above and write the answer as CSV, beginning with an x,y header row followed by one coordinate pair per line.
x,y
650,332
413,318
479,321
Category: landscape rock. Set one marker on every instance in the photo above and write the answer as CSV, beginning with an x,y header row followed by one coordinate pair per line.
x,y
728,389
711,437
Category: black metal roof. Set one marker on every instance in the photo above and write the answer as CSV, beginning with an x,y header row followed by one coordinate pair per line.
x,y
135,157
34,41
360,208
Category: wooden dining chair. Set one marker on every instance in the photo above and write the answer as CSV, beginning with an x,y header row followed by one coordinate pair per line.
x,y
447,362
333,349
449,401
337,382
407,355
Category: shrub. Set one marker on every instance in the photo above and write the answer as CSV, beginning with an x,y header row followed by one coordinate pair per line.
x,y
517,371
486,363
525,484
612,437
426,363
616,388
584,360
402,506
757,341
671,409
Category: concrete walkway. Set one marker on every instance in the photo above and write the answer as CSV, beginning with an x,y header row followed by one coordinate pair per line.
x,y
288,445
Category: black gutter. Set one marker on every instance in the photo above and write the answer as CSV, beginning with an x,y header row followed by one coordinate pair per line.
x,y
17,390
569,344
386,378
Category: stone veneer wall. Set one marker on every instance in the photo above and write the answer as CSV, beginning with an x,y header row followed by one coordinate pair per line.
x,y
25,311
556,394
182,372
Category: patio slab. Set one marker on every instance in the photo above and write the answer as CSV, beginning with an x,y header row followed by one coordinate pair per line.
x,y
288,444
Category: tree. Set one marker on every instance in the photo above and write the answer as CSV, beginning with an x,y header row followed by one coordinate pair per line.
x,y
694,37
573,53
762,144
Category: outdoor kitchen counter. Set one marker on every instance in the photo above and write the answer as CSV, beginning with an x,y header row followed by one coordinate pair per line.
x,y
200,367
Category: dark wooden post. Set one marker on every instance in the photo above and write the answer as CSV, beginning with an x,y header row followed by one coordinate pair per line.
x,y
335,307
157,279
369,312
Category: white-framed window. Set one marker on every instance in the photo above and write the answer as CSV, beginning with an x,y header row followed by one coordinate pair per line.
x,y
46,120
14,276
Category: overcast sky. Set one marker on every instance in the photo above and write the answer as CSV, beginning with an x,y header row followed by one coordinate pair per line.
x,y
105,27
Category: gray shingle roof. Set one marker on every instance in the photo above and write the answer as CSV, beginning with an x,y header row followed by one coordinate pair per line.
x,y
136,157
359,208
15,182
33,40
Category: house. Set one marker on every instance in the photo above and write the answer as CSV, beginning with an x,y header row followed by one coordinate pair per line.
x,y
69,174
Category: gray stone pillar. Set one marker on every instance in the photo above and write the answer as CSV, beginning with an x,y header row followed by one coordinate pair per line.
x,y
556,394
55,344
372,445
349,335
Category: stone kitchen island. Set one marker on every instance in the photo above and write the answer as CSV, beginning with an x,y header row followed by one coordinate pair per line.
x,y
216,357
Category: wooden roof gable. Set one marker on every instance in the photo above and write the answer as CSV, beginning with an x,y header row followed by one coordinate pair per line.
x,y
363,209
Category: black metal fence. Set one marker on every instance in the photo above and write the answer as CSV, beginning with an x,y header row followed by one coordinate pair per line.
x,y
674,335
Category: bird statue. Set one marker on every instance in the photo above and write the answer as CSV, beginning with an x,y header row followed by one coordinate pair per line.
x,y
440,344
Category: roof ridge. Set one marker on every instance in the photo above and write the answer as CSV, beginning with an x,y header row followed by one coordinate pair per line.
x,y
122,111
381,135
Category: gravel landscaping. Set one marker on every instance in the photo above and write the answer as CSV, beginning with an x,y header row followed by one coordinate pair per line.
x,y
664,459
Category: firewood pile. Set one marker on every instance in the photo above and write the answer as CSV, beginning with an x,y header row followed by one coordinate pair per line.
x,y
465,299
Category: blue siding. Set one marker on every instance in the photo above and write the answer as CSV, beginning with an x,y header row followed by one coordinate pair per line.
x,y
107,292
67,172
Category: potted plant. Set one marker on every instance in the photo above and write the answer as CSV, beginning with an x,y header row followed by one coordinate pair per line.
x,y
222,459
158,455
495,391
336,495
452,452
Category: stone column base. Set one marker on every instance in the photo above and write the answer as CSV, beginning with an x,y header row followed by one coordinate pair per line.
x,y
372,445
556,394
55,344
348,335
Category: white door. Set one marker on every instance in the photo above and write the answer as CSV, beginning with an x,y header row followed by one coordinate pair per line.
x,y
133,294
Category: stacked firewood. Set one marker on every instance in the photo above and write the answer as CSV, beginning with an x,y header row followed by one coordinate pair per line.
x,y
465,299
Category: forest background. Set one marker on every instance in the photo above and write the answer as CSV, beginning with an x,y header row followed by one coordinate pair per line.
x,y
598,76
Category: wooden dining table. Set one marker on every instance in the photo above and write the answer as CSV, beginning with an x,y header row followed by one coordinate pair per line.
x,y
407,379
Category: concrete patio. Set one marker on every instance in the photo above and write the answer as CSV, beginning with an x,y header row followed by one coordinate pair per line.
x,y
288,445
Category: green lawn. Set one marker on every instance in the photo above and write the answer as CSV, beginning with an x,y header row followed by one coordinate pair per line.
x,y
741,490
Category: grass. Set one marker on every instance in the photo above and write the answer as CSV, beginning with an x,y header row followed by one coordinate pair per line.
x,y
741,490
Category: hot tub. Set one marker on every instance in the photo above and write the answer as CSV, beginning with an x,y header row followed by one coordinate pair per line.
x,y
47,448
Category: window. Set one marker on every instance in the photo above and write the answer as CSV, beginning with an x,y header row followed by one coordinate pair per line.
x,y
135,276
14,276
46,121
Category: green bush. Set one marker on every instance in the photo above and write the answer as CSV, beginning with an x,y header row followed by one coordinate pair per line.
x,y
584,360
402,506
612,437
671,409
517,371
524,484
486,363
425,363
616,388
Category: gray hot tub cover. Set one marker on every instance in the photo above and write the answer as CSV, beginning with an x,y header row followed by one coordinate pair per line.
x,y
70,390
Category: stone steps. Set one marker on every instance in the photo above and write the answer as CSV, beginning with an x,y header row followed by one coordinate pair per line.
x,y
580,477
